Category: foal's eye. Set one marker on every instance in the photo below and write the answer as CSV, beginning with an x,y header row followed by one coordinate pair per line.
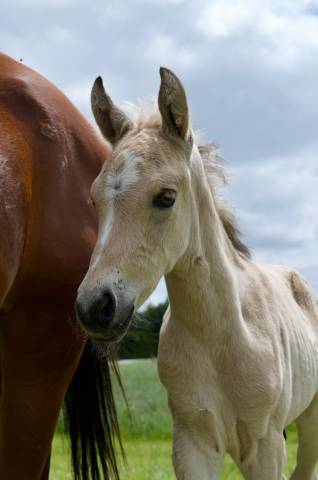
x,y
164,199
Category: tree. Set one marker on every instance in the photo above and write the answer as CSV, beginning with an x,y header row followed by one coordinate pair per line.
x,y
142,338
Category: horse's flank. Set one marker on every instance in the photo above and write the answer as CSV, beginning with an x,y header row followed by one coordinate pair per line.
x,y
40,149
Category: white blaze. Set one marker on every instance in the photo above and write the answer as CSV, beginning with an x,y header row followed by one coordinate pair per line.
x,y
116,183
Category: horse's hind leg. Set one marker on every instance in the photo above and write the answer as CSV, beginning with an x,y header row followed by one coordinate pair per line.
x,y
40,350
307,455
46,471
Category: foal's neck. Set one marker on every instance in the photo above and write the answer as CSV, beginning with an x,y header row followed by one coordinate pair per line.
x,y
203,288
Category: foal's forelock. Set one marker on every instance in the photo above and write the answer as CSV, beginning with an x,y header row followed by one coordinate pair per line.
x,y
126,175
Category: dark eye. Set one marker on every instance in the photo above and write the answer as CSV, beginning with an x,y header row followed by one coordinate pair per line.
x,y
164,199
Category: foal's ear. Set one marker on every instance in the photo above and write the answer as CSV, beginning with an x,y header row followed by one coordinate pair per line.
x,y
173,106
112,122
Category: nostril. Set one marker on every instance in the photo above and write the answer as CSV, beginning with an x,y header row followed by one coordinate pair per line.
x,y
108,307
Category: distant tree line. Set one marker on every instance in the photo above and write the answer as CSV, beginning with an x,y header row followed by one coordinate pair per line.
x,y
142,338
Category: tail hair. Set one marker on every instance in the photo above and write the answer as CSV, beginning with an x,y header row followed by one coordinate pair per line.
x,y
90,415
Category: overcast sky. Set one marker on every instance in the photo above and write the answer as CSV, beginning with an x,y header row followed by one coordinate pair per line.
x,y
250,69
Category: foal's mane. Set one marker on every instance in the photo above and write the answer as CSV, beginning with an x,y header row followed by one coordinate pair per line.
x,y
147,115
213,166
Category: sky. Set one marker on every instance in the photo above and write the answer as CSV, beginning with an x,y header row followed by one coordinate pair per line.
x,y
250,69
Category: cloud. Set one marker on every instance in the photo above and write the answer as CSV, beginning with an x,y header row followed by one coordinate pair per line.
x,y
282,31
159,295
163,49
276,202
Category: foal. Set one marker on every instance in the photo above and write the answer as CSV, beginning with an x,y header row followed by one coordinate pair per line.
x,y
238,351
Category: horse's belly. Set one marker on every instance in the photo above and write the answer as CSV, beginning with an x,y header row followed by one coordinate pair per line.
x,y
304,375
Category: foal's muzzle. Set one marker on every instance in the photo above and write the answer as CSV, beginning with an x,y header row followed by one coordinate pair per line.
x,y
103,315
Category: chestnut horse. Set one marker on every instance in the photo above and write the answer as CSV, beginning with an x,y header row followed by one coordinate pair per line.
x,y
49,155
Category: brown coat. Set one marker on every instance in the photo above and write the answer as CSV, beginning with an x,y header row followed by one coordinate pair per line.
x,y
49,155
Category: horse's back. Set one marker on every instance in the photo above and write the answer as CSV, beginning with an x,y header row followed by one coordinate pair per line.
x,y
49,157
293,325
300,296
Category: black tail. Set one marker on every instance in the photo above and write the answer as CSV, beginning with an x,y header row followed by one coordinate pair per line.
x,y
91,417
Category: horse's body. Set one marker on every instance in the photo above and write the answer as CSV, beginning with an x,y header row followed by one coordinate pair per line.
x,y
247,375
49,155
238,348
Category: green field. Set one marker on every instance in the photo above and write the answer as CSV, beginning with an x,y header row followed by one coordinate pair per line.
x,y
147,437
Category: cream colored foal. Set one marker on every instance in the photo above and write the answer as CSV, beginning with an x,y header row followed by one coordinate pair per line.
x,y
238,351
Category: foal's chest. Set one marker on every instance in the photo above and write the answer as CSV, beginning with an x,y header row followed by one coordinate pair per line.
x,y
222,397
191,380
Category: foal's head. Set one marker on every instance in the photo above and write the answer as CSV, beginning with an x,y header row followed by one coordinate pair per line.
x,y
144,204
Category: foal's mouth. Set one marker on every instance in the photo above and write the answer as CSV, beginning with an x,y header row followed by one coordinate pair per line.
x,y
119,328
115,331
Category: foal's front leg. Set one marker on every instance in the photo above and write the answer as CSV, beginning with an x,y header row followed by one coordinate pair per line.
x,y
194,457
268,463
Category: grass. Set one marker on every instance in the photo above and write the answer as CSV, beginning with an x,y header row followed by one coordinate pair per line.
x,y
147,435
